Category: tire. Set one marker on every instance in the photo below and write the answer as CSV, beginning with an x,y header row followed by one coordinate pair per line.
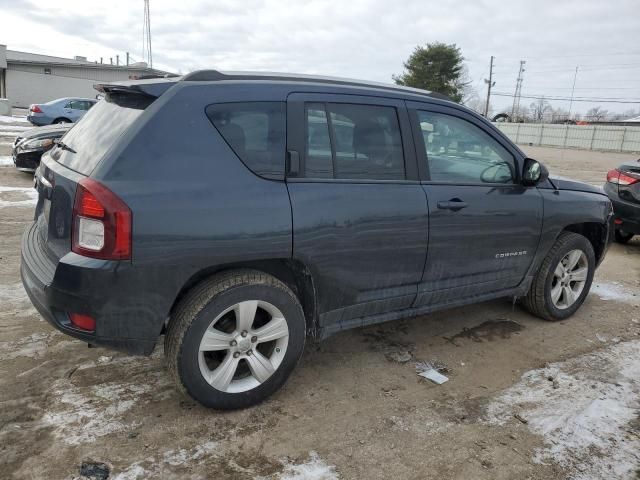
x,y
623,237
546,282
219,301
61,121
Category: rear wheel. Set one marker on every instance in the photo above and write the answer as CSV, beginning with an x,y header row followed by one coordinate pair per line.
x,y
234,340
563,280
622,236
61,120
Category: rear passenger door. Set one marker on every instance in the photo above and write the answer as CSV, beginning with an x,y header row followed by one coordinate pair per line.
x,y
484,225
359,213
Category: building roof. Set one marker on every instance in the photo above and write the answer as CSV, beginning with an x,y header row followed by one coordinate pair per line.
x,y
15,56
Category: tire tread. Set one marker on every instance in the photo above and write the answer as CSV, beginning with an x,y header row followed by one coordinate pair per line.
x,y
534,301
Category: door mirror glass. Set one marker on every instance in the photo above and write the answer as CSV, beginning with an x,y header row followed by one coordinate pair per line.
x,y
534,172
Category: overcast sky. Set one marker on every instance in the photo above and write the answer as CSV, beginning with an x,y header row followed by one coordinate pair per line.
x,y
366,39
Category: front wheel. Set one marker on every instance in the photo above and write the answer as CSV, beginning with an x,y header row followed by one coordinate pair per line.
x,y
622,236
234,340
563,280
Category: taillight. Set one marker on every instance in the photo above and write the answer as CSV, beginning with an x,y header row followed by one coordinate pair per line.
x,y
621,178
35,109
101,223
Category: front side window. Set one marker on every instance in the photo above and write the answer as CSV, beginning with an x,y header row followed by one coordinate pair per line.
x,y
348,141
460,152
256,132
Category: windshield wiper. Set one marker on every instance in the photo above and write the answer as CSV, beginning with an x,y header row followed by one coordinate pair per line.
x,y
64,146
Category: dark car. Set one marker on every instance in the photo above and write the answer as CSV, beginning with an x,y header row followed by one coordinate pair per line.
x,y
31,144
285,208
623,188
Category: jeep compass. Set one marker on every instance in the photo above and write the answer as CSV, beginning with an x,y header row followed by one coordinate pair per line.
x,y
240,214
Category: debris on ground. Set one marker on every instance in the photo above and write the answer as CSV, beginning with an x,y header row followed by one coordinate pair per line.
x,y
399,356
94,470
520,418
431,371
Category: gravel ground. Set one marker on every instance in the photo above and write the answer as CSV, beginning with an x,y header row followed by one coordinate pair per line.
x,y
525,398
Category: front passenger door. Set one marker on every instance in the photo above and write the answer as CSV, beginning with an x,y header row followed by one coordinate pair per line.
x,y
484,225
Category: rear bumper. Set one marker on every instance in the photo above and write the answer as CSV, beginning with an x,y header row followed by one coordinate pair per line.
x,y
39,120
77,284
626,214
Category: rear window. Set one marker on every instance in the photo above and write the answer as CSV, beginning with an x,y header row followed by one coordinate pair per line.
x,y
256,131
98,130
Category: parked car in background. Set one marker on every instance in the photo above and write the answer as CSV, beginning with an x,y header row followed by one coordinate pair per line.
x,y
31,144
299,206
623,188
62,110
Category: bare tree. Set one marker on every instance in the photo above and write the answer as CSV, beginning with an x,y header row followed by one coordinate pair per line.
x,y
597,114
539,109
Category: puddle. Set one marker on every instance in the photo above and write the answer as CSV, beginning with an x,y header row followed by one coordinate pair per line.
x,y
488,331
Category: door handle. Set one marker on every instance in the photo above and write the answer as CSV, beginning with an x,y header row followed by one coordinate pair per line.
x,y
454,204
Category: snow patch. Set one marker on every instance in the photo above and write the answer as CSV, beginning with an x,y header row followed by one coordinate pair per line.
x,y
614,291
15,301
32,346
81,415
314,469
8,194
151,467
12,119
590,423
12,129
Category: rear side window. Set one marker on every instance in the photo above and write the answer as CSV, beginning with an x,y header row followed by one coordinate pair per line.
x,y
98,130
348,141
256,131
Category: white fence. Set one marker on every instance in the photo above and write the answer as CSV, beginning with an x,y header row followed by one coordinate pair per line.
x,y
586,137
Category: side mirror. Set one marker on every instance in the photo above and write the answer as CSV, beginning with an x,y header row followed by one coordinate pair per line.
x,y
533,172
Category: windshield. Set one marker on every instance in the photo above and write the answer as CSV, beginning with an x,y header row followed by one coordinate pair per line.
x,y
99,129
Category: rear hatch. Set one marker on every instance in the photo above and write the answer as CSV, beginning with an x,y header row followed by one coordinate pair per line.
x,y
72,160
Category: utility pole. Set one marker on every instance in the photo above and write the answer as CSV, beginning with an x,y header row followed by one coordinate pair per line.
x,y
575,75
515,109
490,83
127,59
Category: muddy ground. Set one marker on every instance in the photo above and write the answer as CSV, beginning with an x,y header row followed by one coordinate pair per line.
x,y
525,398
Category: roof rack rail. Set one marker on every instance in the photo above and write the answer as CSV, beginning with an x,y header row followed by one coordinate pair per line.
x,y
217,75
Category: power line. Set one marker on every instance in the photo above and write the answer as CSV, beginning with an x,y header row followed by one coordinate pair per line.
x,y
576,99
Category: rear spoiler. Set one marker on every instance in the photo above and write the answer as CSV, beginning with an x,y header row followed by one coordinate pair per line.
x,y
149,87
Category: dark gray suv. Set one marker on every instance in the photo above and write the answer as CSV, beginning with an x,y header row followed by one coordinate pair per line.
x,y
240,214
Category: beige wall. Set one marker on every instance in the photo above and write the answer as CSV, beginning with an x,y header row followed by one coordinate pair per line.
x,y
25,88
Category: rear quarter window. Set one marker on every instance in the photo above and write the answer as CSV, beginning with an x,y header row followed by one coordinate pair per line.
x,y
256,132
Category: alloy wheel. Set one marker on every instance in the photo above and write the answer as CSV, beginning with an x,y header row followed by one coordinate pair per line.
x,y
569,279
243,346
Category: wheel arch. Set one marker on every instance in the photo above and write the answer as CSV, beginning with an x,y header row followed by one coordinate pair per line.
x,y
291,272
596,233
57,119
